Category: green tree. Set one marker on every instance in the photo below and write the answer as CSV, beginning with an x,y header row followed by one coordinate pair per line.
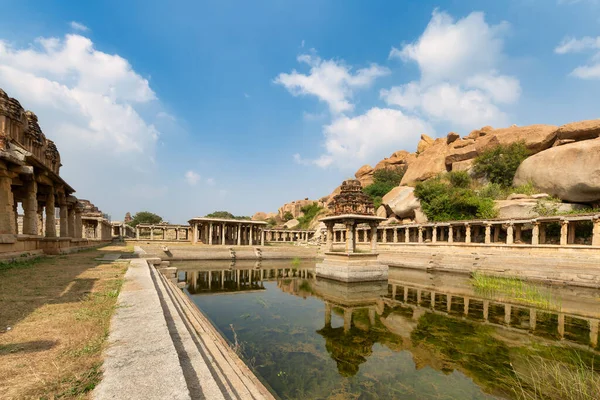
x,y
310,212
288,216
225,215
145,217
500,163
384,180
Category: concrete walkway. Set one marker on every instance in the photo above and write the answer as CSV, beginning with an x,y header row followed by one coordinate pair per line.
x,y
162,347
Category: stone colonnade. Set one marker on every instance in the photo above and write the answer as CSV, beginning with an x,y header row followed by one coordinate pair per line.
x,y
287,235
490,311
216,231
562,231
182,232
96,228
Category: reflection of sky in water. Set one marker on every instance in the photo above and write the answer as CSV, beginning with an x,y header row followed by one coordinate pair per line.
x,y
280,338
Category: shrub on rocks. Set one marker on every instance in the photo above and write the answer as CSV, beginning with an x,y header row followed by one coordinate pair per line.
x,y
499,164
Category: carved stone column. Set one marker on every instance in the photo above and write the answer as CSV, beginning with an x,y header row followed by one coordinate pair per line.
x,y
329,245
564,229
488,234
71,221
30,209
373,237
420,234
450,234
395,235
535,233
407,235
350,241
79,224
509,234
50,214
467,233
7,203
434,234
596,231
223,237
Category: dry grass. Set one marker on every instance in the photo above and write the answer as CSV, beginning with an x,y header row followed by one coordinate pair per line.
x,y
54,319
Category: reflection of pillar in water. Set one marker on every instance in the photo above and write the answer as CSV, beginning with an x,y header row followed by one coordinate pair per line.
x,y
432,299
405,294
466,299
449,302
418,296
561,325
393,292
507,312
347,319
372,316
223,279
486,308
327,315
237,275
532,318
209,279
594,332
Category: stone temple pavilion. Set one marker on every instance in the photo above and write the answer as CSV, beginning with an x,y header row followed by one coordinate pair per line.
x,y
221,231
351,208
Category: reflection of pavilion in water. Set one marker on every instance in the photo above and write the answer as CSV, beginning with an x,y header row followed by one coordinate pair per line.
x,y
237,278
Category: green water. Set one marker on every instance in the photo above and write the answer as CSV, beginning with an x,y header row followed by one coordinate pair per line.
x,y
372,346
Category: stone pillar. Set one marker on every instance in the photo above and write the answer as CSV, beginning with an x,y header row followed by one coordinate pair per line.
x,y
164,233
71,222
40,219
420,234
434,234
7,202
510,233
262,237
64,215
210,233
223,236
350,241
239,235
488,234
467,233
195,232
30,209
450,234
50,214
596,231
152,232
251,235
407,235
79,224
535,233
373,237
384,233
395,235
564,228
329,237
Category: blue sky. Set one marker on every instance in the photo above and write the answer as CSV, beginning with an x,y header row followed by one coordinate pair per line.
x,y
183,108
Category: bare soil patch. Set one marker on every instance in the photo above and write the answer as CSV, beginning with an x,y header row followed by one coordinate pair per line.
x,y
54,318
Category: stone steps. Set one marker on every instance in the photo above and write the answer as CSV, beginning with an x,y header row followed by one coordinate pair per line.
x,y
212,368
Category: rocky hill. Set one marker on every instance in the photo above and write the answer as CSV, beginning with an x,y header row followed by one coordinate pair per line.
x,y
563,164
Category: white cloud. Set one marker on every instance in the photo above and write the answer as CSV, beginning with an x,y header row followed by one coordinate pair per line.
x,y
87,102
192,177
210,181
330,81
78,26
587,43
350,141
573,45
459,83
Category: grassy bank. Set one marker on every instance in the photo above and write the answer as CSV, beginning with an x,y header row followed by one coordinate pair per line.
x,y
54,319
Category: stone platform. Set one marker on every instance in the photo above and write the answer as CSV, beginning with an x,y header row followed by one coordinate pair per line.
x,y
352,267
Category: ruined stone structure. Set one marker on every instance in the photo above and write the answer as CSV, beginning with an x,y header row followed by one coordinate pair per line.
x,y
162,231
352,200
30,177
288,235
227,231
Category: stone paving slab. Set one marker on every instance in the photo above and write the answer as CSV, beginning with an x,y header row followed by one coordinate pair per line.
x,y
109,257
141,361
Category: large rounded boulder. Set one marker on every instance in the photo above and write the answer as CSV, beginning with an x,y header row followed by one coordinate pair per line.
x,y
401,201
571,172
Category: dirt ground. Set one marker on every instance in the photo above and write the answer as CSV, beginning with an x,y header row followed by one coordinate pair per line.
x,y
54,318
